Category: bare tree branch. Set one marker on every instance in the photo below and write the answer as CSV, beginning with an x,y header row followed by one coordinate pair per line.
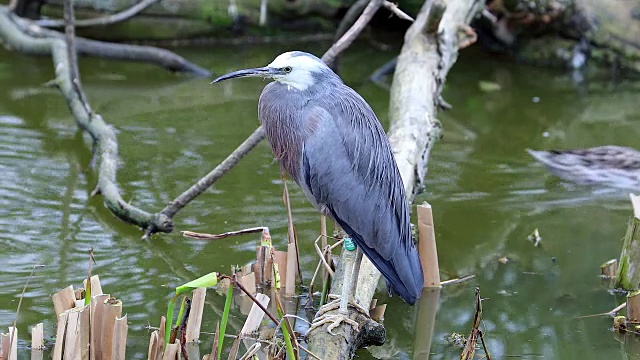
x,y
355,30
203,184
102,134
396,10
350,17
101,21
104,50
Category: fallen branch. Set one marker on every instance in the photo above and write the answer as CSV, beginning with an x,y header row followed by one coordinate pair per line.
x,y
104,20
13,27
103,135
429,51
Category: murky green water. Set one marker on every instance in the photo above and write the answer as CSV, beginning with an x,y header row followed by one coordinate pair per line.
x,y
487,194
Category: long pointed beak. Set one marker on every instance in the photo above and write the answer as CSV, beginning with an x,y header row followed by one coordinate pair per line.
x,y
256,72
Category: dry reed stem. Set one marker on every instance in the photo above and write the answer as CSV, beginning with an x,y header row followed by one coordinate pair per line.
x,y
254,319
97,311
291,231
96,287
290,281
633,306
37,337
59,345
9,345
252,351
172,352
280,259
112,310
120,338
64,300
427,249
195,315
72,336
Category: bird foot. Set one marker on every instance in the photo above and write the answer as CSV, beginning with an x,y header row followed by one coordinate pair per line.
x,y
335,304
334,321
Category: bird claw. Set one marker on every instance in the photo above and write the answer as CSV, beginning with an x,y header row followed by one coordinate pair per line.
x,y
335,304
335,321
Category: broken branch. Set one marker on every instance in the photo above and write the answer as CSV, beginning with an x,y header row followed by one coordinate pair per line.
x,y
104,20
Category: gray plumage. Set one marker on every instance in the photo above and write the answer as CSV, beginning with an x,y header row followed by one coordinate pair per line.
x,y
330,141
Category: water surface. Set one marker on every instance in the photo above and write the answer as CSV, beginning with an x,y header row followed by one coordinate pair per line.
x,y
487,195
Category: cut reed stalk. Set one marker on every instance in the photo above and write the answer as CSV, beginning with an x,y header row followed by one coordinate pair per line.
x,y
195,315
427,249
120,330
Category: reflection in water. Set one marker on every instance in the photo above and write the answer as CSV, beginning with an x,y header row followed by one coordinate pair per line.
x,y
487,196
425,325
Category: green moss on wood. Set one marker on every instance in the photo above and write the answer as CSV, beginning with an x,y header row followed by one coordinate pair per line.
x,y
628,277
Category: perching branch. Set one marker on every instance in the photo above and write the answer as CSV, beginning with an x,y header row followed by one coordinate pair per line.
x,y
104,20
355,30
203,184
429,51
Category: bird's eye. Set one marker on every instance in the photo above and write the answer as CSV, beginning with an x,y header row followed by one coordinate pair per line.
x,y
286,69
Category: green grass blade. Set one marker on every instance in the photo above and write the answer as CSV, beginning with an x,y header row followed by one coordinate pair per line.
x,y
87,293
285,334
182,305
211,279
169,322
225,318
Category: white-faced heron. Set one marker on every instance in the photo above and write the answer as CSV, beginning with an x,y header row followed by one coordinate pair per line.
x,y
326,136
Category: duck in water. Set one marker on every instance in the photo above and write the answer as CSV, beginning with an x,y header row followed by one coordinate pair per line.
x,y
615,166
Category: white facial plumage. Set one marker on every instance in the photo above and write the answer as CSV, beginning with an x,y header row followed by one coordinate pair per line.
x,y
300,77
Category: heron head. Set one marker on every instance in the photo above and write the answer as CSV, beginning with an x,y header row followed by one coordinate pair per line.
x,y
296,69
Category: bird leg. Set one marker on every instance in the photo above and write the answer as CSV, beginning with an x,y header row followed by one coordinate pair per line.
x,y
352,260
